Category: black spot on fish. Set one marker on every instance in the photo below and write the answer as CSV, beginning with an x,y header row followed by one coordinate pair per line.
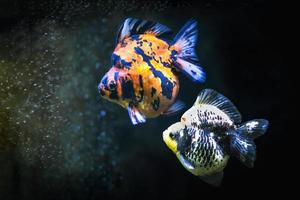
x,y
139,98
155,104
125,64
113,92
141,90
141,81
115,59
140,43
153,91
135,37
155,59
174,70
165,64
116,76
118,62
166,85
127,89
185,141
173,54
194,73
123,43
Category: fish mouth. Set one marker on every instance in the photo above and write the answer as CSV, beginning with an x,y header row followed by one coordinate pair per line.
x,y
165,135
102,90
171,144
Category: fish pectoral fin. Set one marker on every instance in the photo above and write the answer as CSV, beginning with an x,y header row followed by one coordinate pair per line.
x,y
135,115
187,164
213,179
176,107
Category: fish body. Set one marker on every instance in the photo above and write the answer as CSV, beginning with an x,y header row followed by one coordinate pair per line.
x,y
145,65
149,81
209,133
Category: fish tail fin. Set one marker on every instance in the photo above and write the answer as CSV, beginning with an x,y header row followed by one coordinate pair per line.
x,y
253,128
185,56
242,143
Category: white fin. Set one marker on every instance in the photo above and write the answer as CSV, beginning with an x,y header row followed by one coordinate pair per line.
x,y
186,59
192,70
133,26
135,115
211,97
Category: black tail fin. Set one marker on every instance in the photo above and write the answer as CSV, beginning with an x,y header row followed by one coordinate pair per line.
x,y
242,141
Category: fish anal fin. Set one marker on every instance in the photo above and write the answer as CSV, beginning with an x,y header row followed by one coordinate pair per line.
x,y
213,179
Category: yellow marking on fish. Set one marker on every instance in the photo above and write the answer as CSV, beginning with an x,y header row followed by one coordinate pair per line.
x,y
172,144
166,71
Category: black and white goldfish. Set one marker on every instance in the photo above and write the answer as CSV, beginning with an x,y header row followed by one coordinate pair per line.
x,y
143,77
209,133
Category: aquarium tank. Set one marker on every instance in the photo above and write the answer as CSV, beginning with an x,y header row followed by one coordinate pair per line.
x,y
59,139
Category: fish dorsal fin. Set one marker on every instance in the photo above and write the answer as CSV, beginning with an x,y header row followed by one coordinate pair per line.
x,y
211,97
133,26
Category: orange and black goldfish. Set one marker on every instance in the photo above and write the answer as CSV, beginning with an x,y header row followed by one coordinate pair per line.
x,y
143,77
209,133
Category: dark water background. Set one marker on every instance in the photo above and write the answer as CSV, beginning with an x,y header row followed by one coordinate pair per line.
x,y
60,140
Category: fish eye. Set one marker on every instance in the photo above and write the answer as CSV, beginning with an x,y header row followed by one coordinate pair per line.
x,y
112,85
172,135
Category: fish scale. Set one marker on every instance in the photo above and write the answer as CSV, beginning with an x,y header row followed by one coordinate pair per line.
x,y
204,152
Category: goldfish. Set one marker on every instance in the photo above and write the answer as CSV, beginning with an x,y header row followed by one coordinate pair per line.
x,y
209,133
145,64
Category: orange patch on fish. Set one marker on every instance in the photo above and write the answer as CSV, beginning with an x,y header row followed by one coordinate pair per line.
x,y
144,78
